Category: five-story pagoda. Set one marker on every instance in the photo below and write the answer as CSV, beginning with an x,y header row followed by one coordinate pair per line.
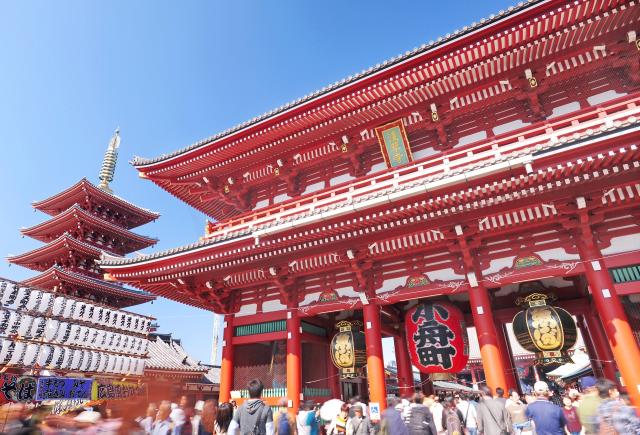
x,y
86,222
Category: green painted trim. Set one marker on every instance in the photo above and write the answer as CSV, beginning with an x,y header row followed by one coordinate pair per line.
x,y
260,328
625,274
313,329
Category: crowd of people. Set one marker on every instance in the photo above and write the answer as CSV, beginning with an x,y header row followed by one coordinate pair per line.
x,y
597,409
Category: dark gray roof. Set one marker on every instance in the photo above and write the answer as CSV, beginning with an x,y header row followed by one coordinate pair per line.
x,y
141,161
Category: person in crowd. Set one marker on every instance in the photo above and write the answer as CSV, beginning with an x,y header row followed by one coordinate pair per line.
x,y
418,418
547,417
452,417
177,415
146,423
283,424
186,427
307,419
436,409
469,413
493,418
500,395
338,425
224,415
391,422
359,424
206,426
588,408
355,400
616,417
163,424
574,427
516,408
195,421
253,416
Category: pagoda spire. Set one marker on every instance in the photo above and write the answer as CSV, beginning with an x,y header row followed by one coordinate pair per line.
x,y
109,162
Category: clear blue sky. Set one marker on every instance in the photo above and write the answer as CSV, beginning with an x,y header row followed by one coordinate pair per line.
x,y
171,73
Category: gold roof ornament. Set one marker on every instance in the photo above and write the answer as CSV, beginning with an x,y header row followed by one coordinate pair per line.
x,y
109,162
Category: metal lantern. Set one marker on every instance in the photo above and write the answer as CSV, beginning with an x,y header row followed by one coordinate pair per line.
x,y
545,330
348,349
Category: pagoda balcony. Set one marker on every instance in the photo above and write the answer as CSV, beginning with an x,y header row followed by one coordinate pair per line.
x,y
89,228
103,204
513,151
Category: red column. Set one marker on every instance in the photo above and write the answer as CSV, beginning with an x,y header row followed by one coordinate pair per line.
x,y
375,361
601,347
226,366
403,364
427,384
294,367
596,363
494,369
507,361
614,319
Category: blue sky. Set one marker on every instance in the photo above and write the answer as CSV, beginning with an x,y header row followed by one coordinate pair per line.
x,y
169,74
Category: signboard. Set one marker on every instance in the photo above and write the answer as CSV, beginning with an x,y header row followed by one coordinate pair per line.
x,y
115,390
394,144
50,388
374,411
17,388
436,337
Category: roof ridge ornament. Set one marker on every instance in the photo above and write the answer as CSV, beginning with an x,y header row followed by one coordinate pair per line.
x,y
109,162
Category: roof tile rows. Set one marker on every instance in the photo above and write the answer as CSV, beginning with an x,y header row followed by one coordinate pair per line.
x,y
170,355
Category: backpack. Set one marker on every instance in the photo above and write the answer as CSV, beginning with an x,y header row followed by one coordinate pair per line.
x,y
283,427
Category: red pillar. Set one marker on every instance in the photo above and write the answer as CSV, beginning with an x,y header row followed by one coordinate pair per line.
x,y
375,361
492,361
601,346
226,366
596,363
427,384
614,319
507,360
294,367
403,364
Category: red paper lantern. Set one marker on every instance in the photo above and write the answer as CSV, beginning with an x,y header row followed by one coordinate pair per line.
x,y
437,337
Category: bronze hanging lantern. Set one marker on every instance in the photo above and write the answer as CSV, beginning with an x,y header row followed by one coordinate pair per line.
x,y
348,349
547,331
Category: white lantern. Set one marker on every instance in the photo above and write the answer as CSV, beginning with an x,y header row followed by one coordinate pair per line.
x,y
111,363
5,321
75,333
10,295
68,358
6,287
95,360
79,310
14,323
5,345
34,300
23,298
47,299
38,328
58,358
64,334
30,355
104,360
69,309
59,306
18,353
25,325
45,356
51,329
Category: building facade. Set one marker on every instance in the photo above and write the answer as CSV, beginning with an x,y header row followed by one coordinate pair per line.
x,y
494,163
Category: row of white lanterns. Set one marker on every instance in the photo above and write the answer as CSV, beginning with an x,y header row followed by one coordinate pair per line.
x,y
64,358
27,299
55,331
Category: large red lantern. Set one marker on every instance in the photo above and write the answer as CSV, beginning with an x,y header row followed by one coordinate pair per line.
x,y
437,337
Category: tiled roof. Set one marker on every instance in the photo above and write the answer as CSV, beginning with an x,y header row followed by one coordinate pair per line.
x,y
169,355
140,161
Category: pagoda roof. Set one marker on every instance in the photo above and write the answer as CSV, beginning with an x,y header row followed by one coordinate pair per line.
x,y
346,83
70,219
169,355
77,193
55,275
64,244
214,174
